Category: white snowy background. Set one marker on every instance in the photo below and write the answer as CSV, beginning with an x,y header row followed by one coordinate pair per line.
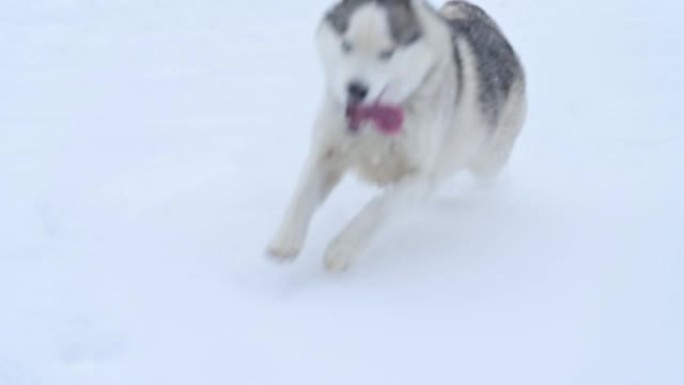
x,y
148,148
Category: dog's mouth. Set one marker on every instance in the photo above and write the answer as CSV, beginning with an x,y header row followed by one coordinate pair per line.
x,y
388,119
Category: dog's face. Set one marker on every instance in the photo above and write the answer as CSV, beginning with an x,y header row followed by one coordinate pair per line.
x,y
373,51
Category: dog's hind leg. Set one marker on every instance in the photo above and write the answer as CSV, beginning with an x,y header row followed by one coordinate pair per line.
x,y
494,155
319,178
358,234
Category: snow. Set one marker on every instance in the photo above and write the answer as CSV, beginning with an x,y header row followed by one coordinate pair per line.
x,y
147,150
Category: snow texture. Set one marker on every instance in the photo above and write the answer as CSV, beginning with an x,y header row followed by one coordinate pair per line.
x,y
148,148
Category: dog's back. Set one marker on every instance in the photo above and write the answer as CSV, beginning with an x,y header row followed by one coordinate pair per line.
x,y
497,65
491,76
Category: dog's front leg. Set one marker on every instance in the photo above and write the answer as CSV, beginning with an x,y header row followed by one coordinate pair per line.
x,y
358,234
321,175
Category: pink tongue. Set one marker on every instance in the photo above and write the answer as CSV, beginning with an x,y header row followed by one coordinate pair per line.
x,y
387,119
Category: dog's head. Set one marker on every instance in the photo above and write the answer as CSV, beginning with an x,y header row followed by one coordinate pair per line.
x,y
374,51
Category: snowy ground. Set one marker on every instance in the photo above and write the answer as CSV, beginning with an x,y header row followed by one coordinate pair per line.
x,y
137,195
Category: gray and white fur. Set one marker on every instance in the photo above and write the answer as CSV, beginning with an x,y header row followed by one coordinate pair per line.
x,y
461,87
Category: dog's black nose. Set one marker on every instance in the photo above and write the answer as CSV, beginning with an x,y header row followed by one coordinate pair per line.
x,y
357,92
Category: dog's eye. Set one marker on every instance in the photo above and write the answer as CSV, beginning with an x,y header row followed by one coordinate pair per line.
x,y
347,47
386,55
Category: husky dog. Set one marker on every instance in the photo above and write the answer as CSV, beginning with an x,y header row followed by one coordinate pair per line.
x,y
413,95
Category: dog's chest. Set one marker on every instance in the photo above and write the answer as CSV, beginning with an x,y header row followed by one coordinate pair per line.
x,y
379,158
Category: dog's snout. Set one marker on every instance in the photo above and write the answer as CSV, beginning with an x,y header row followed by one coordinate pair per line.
x,y
357,92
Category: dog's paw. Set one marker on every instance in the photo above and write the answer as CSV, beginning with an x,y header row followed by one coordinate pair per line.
x,y
333,265
282,254
285,248
338,258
